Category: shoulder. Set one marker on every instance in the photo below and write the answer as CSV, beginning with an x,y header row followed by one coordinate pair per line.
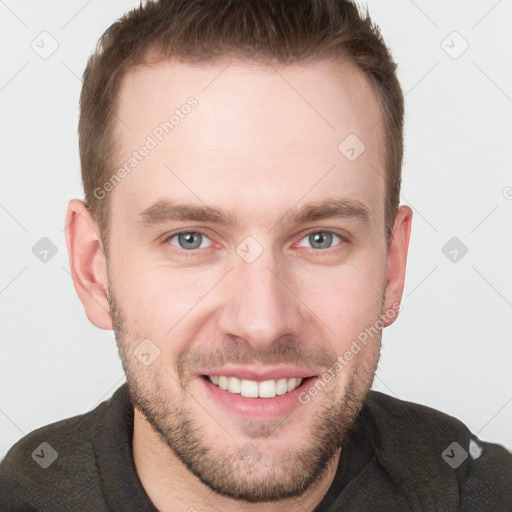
x,y
433,454
50,461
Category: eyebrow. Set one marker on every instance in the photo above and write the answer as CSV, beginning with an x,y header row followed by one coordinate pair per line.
x,y
165,211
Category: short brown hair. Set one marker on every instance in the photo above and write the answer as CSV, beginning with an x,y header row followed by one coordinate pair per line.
x,y
280,31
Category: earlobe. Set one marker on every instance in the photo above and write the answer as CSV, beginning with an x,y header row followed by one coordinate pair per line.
x,y
396,263
87,263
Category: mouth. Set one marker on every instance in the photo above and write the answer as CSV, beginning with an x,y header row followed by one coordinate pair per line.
x,y
254,389
256,399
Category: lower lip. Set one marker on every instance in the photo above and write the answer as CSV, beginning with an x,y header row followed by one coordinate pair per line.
x,y
257,408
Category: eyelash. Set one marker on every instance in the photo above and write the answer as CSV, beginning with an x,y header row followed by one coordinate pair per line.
x,y
194,252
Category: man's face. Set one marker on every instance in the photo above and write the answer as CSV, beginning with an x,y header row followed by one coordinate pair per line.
x,y
267,297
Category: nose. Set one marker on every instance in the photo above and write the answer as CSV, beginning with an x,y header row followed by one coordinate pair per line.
x,y
260,304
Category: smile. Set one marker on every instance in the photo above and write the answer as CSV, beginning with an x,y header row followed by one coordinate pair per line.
x,y
255,389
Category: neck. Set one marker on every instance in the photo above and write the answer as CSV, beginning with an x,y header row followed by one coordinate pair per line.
x,y
171,486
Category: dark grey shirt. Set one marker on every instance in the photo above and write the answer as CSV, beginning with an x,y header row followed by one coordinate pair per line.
x,y
400,456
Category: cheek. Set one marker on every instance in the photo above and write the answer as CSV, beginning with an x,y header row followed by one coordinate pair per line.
x,y
159,302
348,299
156,302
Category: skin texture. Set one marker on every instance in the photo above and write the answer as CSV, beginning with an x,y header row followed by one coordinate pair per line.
x,y
261,141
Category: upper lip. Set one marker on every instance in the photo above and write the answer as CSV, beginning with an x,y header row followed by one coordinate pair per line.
x,y
258,373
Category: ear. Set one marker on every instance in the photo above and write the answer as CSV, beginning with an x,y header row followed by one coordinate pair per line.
x,y
87,262
396,262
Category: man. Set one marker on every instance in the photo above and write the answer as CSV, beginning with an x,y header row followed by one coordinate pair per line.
x,y
241,234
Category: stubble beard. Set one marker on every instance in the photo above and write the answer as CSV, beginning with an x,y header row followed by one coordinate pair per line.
x,y
248,471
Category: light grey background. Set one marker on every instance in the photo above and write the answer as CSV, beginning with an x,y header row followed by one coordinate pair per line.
x,y
450,348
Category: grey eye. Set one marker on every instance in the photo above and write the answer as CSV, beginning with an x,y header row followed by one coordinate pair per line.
x,y
321,239
189,240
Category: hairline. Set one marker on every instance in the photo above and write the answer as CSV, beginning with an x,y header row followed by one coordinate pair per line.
x,y
152,54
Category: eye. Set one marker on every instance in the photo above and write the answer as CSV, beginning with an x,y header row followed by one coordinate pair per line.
x,y
320,239
189,240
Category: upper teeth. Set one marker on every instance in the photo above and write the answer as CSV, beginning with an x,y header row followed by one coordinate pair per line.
x,y
253,389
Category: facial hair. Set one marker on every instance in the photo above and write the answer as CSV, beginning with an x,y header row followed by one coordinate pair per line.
x,y
249,471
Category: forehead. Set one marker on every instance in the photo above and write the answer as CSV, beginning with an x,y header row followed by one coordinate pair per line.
x,y
255,136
